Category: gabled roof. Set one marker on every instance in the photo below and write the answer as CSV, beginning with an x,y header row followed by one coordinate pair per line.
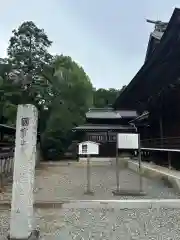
x,y
161,69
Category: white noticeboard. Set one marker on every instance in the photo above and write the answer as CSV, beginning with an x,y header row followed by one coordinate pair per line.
x,y
128,141
88,148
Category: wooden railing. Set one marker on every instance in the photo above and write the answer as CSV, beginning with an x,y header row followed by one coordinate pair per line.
x,y
6,167
161,143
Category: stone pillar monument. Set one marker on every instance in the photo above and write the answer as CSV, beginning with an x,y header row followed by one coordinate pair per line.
x,y
21,222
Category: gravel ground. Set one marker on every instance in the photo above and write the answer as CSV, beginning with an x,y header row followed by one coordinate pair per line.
x,y
63,183
104,223
69,183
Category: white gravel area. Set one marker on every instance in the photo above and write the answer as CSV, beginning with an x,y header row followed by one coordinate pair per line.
x,y
104,223
64,183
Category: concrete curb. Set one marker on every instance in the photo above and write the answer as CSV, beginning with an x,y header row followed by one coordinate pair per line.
x,y
38,204
120,204
169,179
92,164
83,163
125,204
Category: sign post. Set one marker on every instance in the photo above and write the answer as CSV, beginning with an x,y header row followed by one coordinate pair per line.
x,y
117,170
88,176
139,158
125,142
88,148
22,214
169,160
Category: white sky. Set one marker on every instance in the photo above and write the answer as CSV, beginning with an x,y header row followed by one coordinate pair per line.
x,y
107,38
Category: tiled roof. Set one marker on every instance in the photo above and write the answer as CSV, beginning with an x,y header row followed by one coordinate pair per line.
x,y
102,127
110,114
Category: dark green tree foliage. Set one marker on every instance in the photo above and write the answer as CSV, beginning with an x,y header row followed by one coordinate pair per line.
x,y
9,93
105,97
27,49
3,60
71,92
57,86
28,53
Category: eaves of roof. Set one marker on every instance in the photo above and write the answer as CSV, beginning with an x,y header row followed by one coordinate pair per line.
x,y
130,93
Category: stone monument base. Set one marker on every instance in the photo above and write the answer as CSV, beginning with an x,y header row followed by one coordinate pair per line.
x,y
35,234
89,193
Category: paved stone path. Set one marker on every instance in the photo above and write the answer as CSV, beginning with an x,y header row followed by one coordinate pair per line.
x,y
63,183
103,223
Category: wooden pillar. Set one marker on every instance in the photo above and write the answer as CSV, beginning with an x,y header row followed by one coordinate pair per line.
x,y
1,135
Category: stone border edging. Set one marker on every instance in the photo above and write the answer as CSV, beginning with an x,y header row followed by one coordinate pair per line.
x,y
125,204
151,172
38,204
83,163
35,234
98,163
120,204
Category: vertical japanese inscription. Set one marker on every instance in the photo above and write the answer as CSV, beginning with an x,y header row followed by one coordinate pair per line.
x,y
24,125
84,149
